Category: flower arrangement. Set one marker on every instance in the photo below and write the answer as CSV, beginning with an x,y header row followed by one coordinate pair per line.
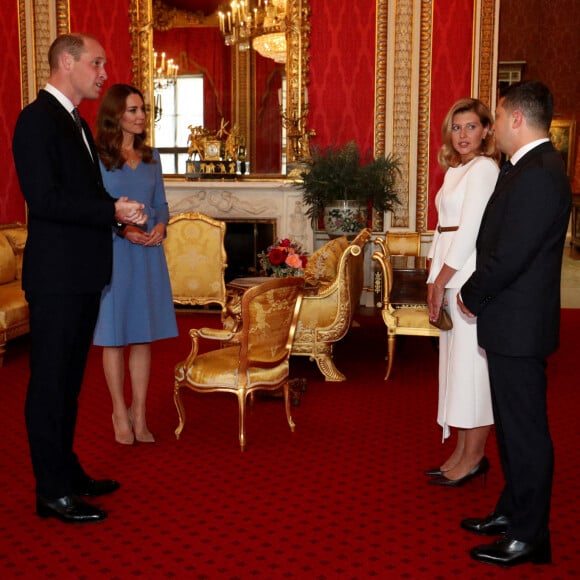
x,y
284,258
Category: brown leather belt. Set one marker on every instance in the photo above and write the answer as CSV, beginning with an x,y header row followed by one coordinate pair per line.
x,y
447,229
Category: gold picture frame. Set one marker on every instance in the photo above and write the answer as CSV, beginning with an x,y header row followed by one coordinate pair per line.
x,y
563,137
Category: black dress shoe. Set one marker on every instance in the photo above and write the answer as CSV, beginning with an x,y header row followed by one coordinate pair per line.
x,y
96,487
480,469
491,525
509,552
69,509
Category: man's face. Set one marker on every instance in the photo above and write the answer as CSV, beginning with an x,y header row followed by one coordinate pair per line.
x,y
88,74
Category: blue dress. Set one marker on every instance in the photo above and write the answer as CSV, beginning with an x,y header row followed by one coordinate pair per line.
x,y
137,306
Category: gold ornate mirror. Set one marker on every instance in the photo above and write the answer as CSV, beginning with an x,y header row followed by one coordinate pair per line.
x,y
147,16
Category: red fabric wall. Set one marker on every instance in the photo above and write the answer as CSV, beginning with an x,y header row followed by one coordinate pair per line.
x,y
342,72
11,201
450,78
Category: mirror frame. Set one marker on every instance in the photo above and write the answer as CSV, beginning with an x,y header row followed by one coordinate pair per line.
x,y
141,19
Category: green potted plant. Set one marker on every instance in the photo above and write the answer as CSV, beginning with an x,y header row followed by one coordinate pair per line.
x,y
340,186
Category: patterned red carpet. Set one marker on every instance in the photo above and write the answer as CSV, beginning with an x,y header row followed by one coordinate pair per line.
x,y
342,497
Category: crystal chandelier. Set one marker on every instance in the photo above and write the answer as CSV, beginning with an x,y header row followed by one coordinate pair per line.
x,y
261,22
165,72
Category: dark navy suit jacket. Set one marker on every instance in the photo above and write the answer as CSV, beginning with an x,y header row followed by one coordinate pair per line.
x,y
515,289
70,215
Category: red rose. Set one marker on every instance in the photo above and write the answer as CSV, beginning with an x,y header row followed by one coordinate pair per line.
x,y
285,243
277,256
304,260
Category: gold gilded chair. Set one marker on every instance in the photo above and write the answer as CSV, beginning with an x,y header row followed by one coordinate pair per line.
x,y
401,243
336,272
255,358
196,259
406,319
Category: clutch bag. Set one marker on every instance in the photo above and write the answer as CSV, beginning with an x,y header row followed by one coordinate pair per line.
x,y
443,321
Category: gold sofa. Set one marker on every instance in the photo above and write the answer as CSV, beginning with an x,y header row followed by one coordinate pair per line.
x,y
336,273
14,314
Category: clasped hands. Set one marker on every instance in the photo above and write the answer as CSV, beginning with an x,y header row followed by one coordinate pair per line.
x,y
131,213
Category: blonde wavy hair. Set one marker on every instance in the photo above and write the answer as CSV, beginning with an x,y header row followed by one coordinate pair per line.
x,y
448,156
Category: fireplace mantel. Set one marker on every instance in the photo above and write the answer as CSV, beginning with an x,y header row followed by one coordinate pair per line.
x,y
278,200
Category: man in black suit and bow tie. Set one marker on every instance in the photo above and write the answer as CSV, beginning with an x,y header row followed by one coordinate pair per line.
x,y
515,294
67,262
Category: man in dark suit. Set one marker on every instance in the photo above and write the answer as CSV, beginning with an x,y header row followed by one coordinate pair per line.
x,y
515,294
67,262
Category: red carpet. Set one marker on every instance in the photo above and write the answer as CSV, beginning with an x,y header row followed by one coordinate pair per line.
x,y
342,497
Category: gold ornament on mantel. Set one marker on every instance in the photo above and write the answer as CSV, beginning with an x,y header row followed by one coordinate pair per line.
x,y
213,153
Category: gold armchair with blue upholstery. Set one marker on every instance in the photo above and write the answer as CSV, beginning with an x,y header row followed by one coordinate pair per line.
x,y
252,359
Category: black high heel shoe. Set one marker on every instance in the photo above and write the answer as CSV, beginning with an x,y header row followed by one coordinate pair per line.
x,y
434,471
480,469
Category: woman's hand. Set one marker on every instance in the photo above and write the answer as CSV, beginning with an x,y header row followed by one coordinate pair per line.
x,y
156,235
435,294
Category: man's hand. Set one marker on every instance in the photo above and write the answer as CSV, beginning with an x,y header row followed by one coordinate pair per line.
x,y
464,308
129,212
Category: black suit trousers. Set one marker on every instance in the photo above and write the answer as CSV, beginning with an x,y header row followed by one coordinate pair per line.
x,y
61,334
518,387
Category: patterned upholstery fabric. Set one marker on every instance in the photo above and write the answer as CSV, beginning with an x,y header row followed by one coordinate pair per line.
x,y
322,264
196,259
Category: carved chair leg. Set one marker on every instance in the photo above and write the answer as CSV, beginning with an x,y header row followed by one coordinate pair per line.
x,y
180,410
391,354
287,405
328,368
242,417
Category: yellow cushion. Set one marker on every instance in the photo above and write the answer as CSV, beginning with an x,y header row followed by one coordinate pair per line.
x,y
17,238
323,263
14,306
7,261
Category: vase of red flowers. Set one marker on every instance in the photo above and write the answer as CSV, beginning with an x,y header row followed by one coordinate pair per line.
x,y
284,258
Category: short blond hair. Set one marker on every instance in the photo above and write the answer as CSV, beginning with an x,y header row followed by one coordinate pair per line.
x,y
73,43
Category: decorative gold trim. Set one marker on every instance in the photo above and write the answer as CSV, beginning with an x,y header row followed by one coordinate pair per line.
x,y
39,22
487,52
381,76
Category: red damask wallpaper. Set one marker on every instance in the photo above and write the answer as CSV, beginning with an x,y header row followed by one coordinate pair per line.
x,y
450,79
342,69
11,202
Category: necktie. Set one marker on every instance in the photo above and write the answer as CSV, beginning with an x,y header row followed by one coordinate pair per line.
x,y
77,119
505,168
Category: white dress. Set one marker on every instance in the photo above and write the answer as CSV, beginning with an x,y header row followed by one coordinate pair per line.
x,y
464,391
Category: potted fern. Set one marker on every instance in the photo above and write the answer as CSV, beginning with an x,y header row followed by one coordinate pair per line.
x,y
340,186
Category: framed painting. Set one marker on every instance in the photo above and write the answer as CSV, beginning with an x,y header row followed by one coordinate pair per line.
x,y
563,137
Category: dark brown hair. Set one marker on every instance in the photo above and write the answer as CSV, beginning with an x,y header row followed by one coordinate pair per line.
x,y
109,135
447,155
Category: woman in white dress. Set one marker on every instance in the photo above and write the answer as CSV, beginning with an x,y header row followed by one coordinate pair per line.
x,y
469,157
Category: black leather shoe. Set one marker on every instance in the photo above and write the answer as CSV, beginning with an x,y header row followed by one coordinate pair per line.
x,y
480,469
509,552
69,509
96,487
491,525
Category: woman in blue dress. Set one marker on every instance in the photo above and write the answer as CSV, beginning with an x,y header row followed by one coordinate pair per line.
x,y
136,307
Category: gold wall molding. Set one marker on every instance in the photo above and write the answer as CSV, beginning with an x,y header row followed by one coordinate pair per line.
x,y
39,23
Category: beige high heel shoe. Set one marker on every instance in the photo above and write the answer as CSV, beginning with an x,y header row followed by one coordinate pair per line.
x,y
124,438
144,436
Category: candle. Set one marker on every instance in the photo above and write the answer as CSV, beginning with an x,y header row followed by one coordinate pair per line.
x,y
162,61
154,61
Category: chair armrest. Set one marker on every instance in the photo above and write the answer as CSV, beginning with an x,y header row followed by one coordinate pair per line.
x,y
214,333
